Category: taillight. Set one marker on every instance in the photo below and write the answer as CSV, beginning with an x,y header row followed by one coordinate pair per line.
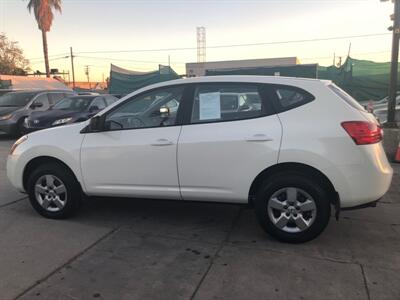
x,y
362,132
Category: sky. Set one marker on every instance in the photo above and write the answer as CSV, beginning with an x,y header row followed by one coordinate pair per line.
x,y
114,26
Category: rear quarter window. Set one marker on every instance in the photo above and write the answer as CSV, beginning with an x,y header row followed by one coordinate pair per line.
x,y
290,97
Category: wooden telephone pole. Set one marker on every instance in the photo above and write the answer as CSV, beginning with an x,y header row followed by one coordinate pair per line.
x,y
73,70
391,122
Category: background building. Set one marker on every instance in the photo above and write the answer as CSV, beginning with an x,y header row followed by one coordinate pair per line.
x,y
199,69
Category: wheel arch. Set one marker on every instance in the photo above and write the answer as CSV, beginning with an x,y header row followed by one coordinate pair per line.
x,y
40,160
298,167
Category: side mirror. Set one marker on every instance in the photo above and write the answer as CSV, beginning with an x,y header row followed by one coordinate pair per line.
x,y
164,112
95,124
93,108
36,105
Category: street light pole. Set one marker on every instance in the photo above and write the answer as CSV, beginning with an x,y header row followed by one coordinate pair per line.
x,y
391,122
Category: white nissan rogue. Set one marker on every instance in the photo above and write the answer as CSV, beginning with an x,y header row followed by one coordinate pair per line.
x,y
293,148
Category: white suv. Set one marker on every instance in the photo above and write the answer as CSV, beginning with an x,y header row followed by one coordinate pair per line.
x,y
294,148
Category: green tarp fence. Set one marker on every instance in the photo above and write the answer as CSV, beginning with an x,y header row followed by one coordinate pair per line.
x,y
123,81
363,79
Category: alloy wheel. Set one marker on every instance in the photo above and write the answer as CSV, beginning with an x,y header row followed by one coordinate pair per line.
x,y
292,209
51,193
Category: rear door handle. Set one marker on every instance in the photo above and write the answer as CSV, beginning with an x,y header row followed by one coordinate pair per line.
x,y
259,137
162,142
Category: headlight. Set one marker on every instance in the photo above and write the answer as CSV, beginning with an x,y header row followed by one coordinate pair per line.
x,y
17,143
5,117
62,121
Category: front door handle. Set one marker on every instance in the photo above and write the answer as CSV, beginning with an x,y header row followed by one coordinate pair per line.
x,y
162,142
259,137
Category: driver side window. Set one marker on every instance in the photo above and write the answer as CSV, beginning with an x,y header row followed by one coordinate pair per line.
x,y
153,109
42,103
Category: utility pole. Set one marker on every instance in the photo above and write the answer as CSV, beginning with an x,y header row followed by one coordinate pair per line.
x,y
73,70
87,75
391,122
348,52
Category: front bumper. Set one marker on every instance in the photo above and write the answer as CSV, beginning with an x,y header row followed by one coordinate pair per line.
x,y
14,172
8,127
32,129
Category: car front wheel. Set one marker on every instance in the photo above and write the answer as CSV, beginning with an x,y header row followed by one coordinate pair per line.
x,y
53,191
293,207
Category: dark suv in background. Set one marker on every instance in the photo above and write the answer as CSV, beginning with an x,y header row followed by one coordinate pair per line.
x,y
69,110
16,106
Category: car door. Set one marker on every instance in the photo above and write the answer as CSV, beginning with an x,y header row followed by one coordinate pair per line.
x,y
231,135
136,155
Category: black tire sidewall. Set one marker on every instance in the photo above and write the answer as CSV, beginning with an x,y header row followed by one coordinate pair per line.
x,y
71,184
309,185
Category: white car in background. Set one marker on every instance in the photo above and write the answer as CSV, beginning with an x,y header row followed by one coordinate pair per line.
x,y
381,114
294,150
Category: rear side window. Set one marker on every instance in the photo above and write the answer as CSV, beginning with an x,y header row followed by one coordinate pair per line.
x,y
288,97
226,102
55,97
346,97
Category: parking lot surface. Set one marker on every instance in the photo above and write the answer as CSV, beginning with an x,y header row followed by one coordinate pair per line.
x,y
146,249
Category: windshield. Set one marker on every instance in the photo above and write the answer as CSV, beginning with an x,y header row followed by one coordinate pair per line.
x,y
74,103
16,99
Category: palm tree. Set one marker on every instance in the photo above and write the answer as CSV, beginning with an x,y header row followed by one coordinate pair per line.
x,y
43,10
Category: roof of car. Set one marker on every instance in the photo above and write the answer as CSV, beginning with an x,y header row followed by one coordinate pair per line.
x,y
83,96
248,78
41,91
296,81
89,96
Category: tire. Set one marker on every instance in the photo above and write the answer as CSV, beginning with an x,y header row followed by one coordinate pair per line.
x,y
292,207
57,178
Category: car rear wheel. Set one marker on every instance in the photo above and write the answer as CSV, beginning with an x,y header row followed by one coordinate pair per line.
x,y
53,191
292,207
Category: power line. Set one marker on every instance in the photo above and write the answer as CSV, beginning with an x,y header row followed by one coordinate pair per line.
x,y
118,59
50,59
54,55
241,45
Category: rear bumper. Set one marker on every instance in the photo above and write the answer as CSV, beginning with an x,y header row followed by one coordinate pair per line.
x,y
366,182
365,205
